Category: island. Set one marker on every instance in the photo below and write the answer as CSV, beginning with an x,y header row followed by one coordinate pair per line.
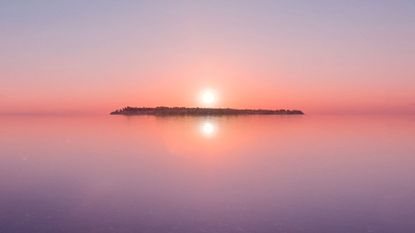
x,y
171,111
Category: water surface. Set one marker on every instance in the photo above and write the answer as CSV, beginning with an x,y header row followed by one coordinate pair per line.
x,y
207,174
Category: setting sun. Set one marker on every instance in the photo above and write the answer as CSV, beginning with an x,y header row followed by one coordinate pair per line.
x,y
208,97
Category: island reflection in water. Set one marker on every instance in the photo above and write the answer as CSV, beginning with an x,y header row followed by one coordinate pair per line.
x,y
207,174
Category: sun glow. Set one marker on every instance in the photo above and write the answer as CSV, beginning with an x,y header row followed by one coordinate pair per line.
x,y
208,97
208,129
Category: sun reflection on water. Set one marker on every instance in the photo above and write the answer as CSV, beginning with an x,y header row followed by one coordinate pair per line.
x,y
208,128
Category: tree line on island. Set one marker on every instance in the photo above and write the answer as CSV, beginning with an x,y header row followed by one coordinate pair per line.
x,y
201,111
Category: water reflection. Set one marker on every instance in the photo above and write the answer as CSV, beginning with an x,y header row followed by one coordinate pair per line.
x,y
161,175
208,128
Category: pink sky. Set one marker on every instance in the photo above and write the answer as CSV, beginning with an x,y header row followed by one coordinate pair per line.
x,y
96,57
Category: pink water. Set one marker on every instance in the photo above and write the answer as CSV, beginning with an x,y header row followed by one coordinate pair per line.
x,y
216,174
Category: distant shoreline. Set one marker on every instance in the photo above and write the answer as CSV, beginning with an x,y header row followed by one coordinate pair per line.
x,y
169,111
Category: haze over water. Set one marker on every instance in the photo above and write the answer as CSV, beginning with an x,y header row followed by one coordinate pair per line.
x,y
207,174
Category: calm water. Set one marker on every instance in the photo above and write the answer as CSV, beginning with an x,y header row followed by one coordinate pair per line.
x,y
221,174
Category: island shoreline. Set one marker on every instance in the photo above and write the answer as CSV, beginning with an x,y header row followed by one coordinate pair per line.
x,y
186,111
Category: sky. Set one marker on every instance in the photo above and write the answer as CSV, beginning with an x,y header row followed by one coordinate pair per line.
x,y
73,56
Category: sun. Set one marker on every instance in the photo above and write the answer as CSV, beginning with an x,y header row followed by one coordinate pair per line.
x,y
208,97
